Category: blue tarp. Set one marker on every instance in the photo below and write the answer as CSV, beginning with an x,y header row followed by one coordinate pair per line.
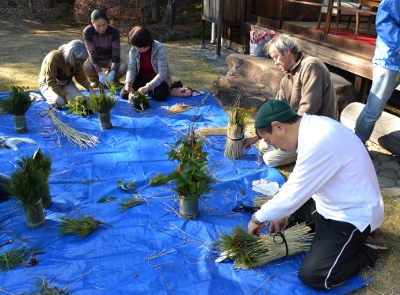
x,y
148,249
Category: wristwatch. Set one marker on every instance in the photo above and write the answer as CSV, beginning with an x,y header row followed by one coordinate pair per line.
x,y
255,221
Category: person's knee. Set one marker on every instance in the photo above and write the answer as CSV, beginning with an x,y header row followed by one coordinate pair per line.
x,y
124,94
311,279
272,160
160,97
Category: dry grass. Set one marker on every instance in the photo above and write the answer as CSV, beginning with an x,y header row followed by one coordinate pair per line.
x,y
20,63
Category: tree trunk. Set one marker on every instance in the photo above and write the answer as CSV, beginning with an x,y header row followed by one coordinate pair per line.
x,y
167,16
154,10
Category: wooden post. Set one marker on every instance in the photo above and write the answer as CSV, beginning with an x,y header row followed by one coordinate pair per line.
x,y
361,86
219,27
328,20
281,13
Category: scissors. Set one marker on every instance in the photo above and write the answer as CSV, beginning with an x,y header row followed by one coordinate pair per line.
x,y
243,208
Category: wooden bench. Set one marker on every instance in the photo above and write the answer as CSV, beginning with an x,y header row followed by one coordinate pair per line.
x,y
386,132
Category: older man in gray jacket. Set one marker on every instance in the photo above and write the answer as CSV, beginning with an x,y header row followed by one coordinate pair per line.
x,y
307,87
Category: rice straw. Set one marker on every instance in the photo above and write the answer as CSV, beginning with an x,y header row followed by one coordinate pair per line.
x,y
75,137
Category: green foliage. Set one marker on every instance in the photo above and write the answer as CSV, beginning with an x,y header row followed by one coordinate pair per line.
x,y
129,202
102,103
241,245
129,186
46,289
191,178
106,199
240,116
28,184
139,100
158,180
78,105
17,103
196,31
82,226
38,162
14,257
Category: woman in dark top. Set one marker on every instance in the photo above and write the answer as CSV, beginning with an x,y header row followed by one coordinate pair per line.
x,y
102,41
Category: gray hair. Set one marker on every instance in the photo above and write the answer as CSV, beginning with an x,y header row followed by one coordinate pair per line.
x,y
74,50
281,42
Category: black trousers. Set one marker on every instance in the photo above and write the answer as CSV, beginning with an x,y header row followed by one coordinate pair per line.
x,y
159,93
337,253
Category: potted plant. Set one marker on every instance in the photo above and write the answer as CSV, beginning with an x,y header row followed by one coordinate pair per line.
x,y
191,178
39,162
79,105
17,104
235,133
29,185
102,104
139,100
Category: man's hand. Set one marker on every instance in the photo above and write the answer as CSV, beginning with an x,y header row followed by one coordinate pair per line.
x,y
278,225
254,229
248,141
13,142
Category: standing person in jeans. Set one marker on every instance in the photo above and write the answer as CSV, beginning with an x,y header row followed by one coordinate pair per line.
x,y
102,41
307,87
58,69
148,70
386,67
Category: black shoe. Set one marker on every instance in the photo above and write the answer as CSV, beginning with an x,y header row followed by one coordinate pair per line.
x,y
376,241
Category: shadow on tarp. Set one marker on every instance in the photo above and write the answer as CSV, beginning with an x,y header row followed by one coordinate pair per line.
x,y
148,249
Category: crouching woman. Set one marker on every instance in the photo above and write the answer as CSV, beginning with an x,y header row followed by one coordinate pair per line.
x,y
58,68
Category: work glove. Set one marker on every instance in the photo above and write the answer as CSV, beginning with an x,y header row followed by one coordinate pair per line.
x,y
102,78
13,142
111,76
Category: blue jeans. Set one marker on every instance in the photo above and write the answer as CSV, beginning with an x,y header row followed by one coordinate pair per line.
x,y
383,84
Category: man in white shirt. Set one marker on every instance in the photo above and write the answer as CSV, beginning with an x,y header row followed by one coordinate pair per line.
x,y
333,169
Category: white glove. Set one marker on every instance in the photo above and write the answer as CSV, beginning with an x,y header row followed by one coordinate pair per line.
x,y
102,78
13,142
111,76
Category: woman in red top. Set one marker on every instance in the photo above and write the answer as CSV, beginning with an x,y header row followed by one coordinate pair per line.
x,y
148,70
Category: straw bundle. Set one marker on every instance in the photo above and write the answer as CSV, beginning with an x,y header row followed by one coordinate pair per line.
x,y
236,127
208,131
249,251
234,142
178,108
259,201
75,137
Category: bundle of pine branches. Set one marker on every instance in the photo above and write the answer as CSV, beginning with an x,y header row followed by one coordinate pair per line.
x,y
249,251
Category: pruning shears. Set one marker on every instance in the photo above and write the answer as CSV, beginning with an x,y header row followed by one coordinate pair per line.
x,y
243,208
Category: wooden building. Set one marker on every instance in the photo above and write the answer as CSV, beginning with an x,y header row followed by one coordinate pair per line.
x,y
349,55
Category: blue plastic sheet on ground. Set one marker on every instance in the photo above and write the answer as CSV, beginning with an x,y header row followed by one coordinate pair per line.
x,y
148,249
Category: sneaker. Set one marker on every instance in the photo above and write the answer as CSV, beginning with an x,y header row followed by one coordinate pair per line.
x,y
376,241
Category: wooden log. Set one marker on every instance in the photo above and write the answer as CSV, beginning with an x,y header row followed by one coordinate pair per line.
x,y
386,132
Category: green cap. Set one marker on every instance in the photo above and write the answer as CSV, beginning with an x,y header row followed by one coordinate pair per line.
x,y
273,110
